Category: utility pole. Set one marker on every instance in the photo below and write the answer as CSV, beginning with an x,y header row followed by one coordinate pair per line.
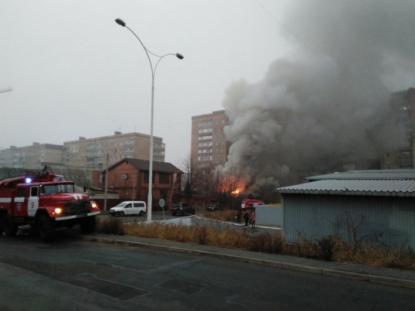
x,y
106,181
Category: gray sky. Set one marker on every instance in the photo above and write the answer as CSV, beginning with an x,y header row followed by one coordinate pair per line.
x,y
74,72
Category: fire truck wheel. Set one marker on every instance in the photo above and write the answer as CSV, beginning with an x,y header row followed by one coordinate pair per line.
x,y
2,222
9,227
45,228
88,225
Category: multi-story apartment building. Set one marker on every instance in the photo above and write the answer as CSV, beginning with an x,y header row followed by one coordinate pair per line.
x,y
209,147
31,157
91,153
403,104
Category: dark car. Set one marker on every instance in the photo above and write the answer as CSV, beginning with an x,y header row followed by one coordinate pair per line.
x,y
213,206
182,209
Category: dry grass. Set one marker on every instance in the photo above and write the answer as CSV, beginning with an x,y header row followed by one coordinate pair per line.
x,y
110,225
197,234
332,249
377,256
329,248
225,215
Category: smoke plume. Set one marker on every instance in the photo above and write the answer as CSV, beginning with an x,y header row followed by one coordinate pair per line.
x,y
328,106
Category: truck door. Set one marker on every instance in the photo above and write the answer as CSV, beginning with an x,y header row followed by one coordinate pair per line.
x,y
33,202
19,207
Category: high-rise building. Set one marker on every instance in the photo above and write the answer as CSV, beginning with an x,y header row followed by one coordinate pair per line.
x,y
403,104
209,147
91,153
32,157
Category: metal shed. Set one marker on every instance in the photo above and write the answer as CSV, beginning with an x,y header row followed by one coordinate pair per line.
x,y
356,205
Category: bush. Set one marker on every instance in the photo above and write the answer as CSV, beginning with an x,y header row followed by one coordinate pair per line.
x,y
327,248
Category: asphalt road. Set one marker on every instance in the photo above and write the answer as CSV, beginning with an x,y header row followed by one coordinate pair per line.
x,y
74,275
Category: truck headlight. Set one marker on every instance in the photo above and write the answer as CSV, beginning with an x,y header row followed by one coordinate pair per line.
x,y
58,210
94,205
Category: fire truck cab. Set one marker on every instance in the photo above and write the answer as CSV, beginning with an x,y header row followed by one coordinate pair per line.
x,y
45,202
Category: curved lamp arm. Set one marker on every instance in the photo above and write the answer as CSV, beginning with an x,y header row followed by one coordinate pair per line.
x,y
153,68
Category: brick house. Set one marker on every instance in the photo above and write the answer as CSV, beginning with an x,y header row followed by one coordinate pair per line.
x,y
129,177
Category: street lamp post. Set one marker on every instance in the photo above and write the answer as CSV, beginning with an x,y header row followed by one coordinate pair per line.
x,y
153,68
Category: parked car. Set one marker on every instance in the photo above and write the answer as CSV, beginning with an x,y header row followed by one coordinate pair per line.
x,y
127,208
182,209
213,206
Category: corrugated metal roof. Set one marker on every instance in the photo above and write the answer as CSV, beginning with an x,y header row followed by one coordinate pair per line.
x,y
408,174
354,187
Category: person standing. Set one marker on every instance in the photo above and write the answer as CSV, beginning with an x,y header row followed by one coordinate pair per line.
x,y
252,218
246,217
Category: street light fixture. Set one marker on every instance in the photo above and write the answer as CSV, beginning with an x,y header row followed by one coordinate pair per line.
x,y
9,89
153,67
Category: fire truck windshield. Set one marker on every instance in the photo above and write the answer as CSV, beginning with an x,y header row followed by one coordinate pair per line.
x,y
58,188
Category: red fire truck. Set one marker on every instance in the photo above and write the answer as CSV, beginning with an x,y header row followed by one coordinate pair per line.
x,y
45,202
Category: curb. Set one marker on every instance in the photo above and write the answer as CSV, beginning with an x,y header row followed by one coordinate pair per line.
x,y
371,278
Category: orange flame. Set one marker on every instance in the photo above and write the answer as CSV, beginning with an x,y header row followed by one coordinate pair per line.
x,y
233,185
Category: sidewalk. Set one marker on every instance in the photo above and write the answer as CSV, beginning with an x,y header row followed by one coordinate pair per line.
x,y
386,276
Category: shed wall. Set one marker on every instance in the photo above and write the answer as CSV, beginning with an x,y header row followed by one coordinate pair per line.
x,y
269,216
388,220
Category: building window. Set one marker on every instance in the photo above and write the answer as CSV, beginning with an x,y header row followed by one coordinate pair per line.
x,y
205,158
205,124
205,144
209,137
164,178
202,151
146,177
205,131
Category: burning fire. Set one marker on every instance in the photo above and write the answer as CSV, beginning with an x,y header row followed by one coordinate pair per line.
x,y
237,191
232,185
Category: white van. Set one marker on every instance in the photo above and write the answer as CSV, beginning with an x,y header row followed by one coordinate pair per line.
x,y
127,208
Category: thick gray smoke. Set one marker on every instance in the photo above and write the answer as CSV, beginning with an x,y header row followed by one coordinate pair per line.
x,y
328,106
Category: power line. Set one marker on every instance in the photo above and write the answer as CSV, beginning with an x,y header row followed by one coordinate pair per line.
x,y
269,13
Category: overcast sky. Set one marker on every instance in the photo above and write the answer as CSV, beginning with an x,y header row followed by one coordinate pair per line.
x,y
74,72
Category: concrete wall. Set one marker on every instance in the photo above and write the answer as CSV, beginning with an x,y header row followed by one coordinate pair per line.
x,y
269,216
388,220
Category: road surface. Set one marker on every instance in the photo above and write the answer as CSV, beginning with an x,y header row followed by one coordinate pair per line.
x,y
74,275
